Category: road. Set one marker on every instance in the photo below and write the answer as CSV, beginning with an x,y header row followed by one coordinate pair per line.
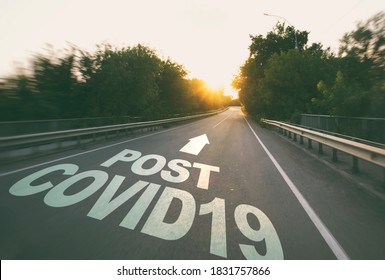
x,y
217,188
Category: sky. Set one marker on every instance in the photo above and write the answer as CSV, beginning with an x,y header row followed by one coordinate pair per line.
x,y
210,38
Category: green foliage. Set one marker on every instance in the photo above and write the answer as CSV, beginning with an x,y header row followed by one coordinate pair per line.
x,y
344,97
280,82
207,98
367,44
108,83
121,82
290,83
280,40
54,85
174,90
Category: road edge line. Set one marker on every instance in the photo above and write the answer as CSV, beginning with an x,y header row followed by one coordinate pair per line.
x,y
333,244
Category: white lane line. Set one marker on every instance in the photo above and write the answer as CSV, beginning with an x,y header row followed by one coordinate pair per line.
x,y
86,152
223,120
333,244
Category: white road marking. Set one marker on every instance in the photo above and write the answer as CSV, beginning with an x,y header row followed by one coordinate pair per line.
x,y
155,225
204,176
218,243
333,244
138,169
175,166
266,232
195,145
223,120
24,187
56,197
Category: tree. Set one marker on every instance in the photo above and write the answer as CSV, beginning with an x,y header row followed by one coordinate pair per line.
x,y
290,83
55,84
280,40
248,83
367,44
17,100
110,82
359,85
207,98
344,97
278,81
174,92
121,82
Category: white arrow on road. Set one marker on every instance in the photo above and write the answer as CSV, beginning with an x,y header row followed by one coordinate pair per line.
x,y
195,145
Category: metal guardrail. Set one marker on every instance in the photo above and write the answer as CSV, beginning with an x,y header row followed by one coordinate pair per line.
x,y
13,128
12,142
343,136
363,151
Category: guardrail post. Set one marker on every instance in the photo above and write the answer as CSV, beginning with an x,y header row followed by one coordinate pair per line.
x,y
294,137
355,168
285,132
320,149
301,139
289,134
335,156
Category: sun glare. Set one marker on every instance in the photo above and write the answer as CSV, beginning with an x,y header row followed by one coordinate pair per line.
x,y
216,84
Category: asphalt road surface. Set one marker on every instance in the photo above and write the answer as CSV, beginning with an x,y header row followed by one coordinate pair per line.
x,y
216,188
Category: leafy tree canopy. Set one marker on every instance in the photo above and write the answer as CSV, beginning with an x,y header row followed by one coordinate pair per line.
x,y
111,82
281,82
